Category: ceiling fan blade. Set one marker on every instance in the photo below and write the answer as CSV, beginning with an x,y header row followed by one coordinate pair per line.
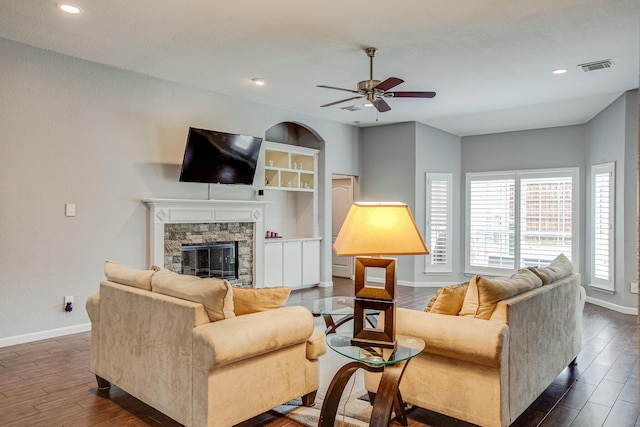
x,y
412,94
342,100
338,88
388,84
381,105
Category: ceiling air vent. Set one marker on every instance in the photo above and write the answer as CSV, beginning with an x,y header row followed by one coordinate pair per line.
x,y
351,108
598,65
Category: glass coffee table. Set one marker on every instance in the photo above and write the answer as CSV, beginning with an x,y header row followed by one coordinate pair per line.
x,y
341,307
388,361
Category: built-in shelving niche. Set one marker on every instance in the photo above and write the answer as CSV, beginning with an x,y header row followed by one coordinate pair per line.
x,y
292,166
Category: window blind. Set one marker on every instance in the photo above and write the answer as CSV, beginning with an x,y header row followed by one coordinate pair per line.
x,y
520,219
439,222
602,211
492,223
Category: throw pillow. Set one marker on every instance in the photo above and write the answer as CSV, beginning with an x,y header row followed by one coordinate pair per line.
x,y
252,300
448,299
216,295
483,293
129,276
559,268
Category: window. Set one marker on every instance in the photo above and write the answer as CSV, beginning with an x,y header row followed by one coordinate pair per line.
x,y
520,219
602,232
439,220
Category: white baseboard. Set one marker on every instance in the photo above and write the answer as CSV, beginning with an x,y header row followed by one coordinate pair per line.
x,y
328,284
614,307
43,335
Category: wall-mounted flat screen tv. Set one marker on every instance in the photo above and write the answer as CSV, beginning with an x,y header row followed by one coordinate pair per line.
x,y
220,158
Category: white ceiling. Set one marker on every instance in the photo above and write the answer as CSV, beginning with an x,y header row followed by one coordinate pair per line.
x,y
489,61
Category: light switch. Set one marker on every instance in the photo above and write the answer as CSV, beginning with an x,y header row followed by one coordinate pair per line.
x,y
70,209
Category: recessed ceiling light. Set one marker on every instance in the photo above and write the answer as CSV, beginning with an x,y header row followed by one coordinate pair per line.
x,y
559,71
68,8
258,81
367,104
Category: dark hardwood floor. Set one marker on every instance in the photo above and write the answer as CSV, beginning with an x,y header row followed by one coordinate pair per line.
x,y
48,383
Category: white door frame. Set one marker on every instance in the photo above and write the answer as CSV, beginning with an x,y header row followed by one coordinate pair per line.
x,y
343,194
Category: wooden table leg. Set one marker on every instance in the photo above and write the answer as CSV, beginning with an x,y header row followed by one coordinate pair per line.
x,y
334,393
387,397
331,325
400,409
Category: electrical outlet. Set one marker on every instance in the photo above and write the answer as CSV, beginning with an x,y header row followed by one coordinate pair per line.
x,y
633,287
68,303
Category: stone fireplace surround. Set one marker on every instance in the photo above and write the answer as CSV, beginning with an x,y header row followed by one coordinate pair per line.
x,y
233,213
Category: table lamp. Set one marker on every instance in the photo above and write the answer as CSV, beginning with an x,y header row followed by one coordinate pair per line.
x,y
368,231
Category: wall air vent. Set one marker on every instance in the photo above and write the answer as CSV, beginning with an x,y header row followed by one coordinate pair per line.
x,y
351,108
598,65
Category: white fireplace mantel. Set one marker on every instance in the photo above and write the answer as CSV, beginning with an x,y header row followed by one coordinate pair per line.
x,y
182,211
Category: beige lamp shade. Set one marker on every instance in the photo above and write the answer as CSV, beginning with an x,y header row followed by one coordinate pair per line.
x,y
381,228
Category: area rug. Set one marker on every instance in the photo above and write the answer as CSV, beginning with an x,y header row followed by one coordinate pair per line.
x,y
356,413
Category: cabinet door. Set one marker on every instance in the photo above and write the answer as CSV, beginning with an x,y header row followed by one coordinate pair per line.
x,y
292,271
311,262
273,264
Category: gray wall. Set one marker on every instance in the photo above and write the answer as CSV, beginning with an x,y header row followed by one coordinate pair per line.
x,y
74,131
395,159
548,148
612,136
388,173
437,152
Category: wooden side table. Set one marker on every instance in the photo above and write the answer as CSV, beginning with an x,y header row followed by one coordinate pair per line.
x,y
390,362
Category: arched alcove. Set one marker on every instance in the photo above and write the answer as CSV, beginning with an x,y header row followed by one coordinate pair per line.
x,y
293,133
291,206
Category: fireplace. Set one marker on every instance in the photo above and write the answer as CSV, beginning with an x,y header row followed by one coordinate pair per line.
x,y
174,223
218,259
200,239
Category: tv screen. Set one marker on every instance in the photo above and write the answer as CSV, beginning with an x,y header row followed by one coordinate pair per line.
x,y
219,158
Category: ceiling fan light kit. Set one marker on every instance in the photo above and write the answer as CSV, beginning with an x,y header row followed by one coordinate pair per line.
x,y
374,91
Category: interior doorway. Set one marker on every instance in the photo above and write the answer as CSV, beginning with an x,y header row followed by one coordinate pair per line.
x,y
343,194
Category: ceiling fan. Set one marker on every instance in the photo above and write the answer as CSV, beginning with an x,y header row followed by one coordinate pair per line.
x,y
375,91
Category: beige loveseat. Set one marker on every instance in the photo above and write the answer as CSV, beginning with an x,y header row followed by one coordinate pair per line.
x,y
487,358
175,343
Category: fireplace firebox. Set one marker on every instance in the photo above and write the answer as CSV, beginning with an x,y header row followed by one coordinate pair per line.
x,y
218,259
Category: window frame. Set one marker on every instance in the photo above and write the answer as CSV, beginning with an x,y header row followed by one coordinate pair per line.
x,y
518,175
447,267
598,283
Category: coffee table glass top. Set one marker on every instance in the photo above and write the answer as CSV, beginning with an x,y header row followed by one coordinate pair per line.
x,y
340,305
407,348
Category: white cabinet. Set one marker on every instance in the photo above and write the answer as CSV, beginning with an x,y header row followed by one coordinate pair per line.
x,y
310,262
273,264
292,263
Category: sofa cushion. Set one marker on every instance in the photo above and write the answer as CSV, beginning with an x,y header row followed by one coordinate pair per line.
x,y
216,295
559,268
448,299
484,293
252,300
125,275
